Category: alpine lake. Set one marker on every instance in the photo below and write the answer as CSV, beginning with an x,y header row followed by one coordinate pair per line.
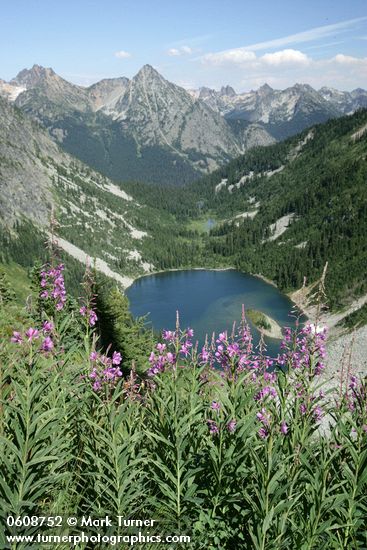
x,y
210,301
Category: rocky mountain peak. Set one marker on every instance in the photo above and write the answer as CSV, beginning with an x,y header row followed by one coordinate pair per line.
x,y
206,92
227,91
34,76
303,88
265,89
148,72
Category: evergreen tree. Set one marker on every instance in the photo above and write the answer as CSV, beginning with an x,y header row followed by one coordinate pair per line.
x,y
6,292
119,330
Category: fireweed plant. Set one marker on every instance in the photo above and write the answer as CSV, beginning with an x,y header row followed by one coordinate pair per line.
x,y
232,447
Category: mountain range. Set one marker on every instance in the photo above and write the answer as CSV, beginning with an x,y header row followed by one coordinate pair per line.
x,y
149,129
281,210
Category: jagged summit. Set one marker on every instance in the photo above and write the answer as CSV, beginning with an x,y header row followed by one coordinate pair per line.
x,y
299,86
147,71
228,91
32,77
266,88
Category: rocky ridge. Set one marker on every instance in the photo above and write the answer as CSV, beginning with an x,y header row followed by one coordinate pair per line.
x,y
96,218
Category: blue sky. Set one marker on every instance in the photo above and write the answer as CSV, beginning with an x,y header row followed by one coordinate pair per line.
x,y
193,43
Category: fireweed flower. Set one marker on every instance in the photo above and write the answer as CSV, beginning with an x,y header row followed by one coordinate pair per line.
x,y
204,356
168,335
106,370
263,433
16,338
284,428
215,406
305,350
92,318
47,327
264,392
213,427
47,344
32,334
303,409
317,413
116,358
222,337
185,348
231,426
264,417
90,313
53,286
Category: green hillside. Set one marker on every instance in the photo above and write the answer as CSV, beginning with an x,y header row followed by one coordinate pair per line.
x,y
317,179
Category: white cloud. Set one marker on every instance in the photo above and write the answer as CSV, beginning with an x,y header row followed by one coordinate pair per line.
x,y
246,53
238,56
182,50
173,52
285,57
122,54
347,59
241,57
244,70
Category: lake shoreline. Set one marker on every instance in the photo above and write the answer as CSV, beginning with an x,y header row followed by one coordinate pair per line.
x,y
173,269
304,310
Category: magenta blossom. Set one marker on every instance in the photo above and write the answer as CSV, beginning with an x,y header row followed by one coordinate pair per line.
x,y
231,426
168,335
213,427
32,334
16,338
215,406
116,358
47,327
263,433
47,344
92,318
284,428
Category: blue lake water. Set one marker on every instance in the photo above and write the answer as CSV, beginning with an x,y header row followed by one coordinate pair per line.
x,y
208,301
